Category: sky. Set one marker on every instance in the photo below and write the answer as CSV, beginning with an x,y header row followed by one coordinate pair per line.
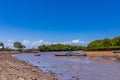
x,y
58,20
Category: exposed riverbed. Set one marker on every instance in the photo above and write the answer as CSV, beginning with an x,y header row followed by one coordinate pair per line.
x,y
74,68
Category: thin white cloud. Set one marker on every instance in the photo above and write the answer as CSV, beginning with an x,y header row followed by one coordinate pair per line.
x,y
35,44
9,43
26,42
76,41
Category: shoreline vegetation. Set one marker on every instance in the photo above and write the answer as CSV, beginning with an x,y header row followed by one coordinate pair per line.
x,y
105,44
96,45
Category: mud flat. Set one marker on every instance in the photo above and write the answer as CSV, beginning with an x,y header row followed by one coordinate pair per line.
x,y
12,69
110,55
102,53
94,67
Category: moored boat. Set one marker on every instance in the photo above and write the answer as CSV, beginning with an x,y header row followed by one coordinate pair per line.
x,y
71,53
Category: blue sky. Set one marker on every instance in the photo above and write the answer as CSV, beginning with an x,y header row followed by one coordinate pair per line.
x,y
59,20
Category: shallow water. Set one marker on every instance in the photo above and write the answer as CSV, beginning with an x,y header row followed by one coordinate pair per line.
x,y
68,68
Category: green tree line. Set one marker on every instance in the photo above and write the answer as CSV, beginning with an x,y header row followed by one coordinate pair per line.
x,y
60,47
105,44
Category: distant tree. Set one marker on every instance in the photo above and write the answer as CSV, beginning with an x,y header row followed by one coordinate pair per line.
x,y
116,41
1,45
106,42
42,48
18,45
96,43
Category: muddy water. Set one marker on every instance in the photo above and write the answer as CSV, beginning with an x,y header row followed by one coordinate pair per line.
x,y
74,68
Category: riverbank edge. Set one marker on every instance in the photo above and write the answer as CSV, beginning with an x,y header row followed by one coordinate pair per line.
x,y
13,69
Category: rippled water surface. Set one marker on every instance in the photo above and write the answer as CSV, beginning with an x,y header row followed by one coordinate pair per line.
x,y
68,68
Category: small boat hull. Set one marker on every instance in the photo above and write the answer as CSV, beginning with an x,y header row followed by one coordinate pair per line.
x,y
70,55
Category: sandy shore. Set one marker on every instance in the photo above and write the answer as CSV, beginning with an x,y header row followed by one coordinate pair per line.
x,y
12,69
102,53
